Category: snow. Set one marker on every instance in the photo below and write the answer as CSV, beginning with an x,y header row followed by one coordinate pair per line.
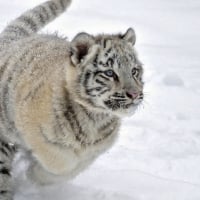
x,y
157,156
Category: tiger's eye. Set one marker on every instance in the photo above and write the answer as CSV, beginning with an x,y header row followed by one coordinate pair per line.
x,y
135,72
109,73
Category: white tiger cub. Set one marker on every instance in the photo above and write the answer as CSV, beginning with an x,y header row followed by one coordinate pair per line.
x,y
61,100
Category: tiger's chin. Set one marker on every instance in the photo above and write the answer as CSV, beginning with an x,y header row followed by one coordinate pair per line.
x,y
127,111
105,107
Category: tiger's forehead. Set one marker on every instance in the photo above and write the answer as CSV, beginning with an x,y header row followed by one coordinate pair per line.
x,y
117,57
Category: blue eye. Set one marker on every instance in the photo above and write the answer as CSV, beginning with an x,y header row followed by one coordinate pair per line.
x,y
135,72
109,73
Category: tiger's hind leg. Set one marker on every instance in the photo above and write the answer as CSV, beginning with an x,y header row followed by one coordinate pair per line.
x,y
7,152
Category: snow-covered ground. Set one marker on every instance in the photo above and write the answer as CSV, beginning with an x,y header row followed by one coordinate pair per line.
x,y
157,156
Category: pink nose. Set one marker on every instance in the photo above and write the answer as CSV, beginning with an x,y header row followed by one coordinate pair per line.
x,y
132,94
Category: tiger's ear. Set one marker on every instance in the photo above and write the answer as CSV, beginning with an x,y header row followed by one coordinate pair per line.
x,y
130,36
80,46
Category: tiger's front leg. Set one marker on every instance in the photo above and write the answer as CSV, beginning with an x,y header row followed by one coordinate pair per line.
x,y
51,163
37,174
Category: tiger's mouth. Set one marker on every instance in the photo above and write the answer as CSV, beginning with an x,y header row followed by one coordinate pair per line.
x,y
115,105
119,103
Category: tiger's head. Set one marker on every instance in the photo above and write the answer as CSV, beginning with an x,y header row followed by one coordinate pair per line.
x,y
106,75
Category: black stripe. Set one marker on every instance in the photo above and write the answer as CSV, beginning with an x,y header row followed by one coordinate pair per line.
x,y
17,29
100,82
6,93
103,64
33,92
5,107
70,115
89,91
104,43
101,139
6,146
5,171
3,68
104,91
114,56
1,162
141,96
94,89
95,60
79,78
119,63
2,150
53,8
98,72
102,76
106,135
29,21
108,125
119,95
110,62
74,123
86,78
58,120
114,105
39,16
62,4
121,100
45,12
3,192
109,50
87,112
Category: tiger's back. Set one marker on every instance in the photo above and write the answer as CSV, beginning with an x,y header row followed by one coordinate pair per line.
x,y
23,70
17,43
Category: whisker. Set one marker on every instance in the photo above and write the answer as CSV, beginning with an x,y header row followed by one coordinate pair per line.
x,y
146,94
117,98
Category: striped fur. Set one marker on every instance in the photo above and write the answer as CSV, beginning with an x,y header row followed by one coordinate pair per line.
x,y
6,155
33,20
62,100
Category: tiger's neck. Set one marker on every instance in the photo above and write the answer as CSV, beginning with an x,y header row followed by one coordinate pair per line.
x,y
87,127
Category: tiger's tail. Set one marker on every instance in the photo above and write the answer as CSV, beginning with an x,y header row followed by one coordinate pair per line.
x,y
33,20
